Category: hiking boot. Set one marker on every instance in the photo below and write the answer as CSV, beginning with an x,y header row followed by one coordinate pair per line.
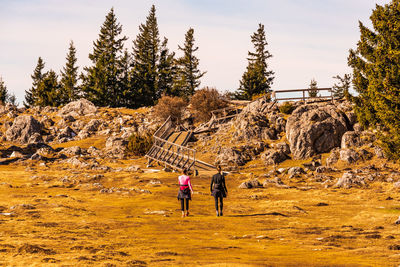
x,y
217,213
220,213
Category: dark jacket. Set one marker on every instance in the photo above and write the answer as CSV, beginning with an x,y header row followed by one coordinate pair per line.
x,y
218,186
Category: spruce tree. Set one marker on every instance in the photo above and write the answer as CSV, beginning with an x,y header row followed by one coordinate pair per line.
x,y
127,97
313,88
188,77
37,77
49,91
167,71
257,79
376,75
146,48
3,91
341,88
100,83
69,76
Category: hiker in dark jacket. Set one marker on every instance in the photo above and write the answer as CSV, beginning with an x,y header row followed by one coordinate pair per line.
x,y
218,190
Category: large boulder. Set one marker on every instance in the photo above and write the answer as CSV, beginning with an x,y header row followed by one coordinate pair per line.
x,y
23,128
272,156
314,129
349,180
79,107
116,147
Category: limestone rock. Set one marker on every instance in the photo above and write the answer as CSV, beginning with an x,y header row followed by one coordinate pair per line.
x,y
79,107
253,183
349,155
23,128
349,180
72,151
351,139
333,157
314,129
272,156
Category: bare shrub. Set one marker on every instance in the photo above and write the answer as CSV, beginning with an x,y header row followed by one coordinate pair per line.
x,y
169,106
204,101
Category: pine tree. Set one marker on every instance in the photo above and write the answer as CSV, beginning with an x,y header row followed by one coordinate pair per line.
x,y
376,75
341,88
167,71
3,91
37,77
146,48
69,76
188,76
100,84
49,91
313,88
257,79
127,96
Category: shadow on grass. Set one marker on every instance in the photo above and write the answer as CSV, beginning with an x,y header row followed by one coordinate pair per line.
x,y
258,214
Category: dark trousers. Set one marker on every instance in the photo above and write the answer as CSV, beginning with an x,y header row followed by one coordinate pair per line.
x,y
221,202
183,204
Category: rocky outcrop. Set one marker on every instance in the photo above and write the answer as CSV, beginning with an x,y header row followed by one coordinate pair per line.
x,y
80,107
314,129
23,128
258,120
116,147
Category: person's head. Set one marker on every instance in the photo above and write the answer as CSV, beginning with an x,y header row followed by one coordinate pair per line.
x,y
219,169
185,171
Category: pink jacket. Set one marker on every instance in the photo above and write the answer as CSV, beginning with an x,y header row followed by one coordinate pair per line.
x,y
185,180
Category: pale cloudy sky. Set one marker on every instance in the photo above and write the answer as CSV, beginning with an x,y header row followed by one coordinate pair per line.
x,y
307,38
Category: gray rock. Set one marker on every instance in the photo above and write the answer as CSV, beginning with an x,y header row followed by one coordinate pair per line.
x,y
351,139
35,138
253,183
271,157
295,172
230,156
349,180
80,107
72,151
282,147
349,155
23,128
333,157
314,129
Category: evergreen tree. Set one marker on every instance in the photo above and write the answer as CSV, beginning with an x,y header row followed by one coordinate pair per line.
x,y
37,77
376,75
188,77
69,76
313,88
100,84
3,91
127,97
49,91
146,48
12,99
341,88
167,71
257,79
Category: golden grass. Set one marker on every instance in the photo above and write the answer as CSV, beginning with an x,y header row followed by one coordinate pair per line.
x,y
280,227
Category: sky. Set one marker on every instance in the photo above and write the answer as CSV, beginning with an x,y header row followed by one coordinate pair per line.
x,y
309,39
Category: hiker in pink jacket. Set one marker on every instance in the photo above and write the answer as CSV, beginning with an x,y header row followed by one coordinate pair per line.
x,y
185,192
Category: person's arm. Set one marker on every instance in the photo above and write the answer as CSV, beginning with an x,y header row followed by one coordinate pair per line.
x,y
211,185
190,185
223,182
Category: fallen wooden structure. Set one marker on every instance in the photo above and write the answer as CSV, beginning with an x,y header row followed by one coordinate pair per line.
x,y
169,149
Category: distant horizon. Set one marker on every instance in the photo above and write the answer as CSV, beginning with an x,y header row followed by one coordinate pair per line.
x,y
308,39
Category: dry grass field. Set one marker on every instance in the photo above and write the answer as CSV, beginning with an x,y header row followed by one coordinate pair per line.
x,y
55,215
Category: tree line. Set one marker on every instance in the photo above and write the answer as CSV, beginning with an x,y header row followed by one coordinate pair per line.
x,y
118,77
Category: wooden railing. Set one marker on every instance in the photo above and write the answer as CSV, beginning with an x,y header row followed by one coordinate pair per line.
x,y
303,97
172,155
